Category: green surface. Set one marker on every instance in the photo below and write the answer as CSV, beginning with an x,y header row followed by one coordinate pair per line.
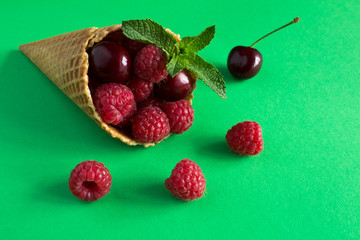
x,y
304,185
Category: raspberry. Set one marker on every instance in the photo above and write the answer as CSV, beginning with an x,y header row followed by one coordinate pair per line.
x,y
150,125
245,138
140,88
114,102
150,64
128,118
187,181
90,181
180,114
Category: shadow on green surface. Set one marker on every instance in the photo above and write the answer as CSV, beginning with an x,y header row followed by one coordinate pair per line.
x,y
157,193
218,149
228,78
59,193
144,192
41,115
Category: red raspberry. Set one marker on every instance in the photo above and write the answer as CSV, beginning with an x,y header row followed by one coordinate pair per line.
x,y
150,125
180,114
245,138
90,181
128,118
187,181
114,102
141,88
150,64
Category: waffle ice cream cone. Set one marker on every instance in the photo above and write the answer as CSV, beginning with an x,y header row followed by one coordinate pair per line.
x,y
64,60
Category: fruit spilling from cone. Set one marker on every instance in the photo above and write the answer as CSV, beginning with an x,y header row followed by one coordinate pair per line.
x,y
122,74
123,81
99,75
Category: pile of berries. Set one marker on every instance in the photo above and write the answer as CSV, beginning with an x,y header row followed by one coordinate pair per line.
x,y
132,90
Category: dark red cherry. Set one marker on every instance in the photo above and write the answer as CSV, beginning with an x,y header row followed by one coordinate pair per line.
x,y
133,46
109,62
244,62
117,37
175,88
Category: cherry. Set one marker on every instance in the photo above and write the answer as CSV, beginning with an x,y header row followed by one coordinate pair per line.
x,y
117,37
109,62
175,88
245,62
133,46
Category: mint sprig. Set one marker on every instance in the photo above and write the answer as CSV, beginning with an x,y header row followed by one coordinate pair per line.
x,y
207,72
181,55
176,64
195,44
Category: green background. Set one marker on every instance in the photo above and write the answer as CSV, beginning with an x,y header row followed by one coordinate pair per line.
x,y
304,185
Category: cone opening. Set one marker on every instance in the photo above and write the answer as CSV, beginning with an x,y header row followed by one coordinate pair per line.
x,y
116,35
111,35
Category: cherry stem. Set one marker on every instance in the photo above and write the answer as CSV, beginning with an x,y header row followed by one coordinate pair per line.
x,y
296,20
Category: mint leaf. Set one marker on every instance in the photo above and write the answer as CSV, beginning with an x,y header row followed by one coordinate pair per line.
x,y
185,41
176,64
203,70
150,32
206,72
195,44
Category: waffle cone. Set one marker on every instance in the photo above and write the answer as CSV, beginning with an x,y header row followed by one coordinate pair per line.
x,y
64,60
